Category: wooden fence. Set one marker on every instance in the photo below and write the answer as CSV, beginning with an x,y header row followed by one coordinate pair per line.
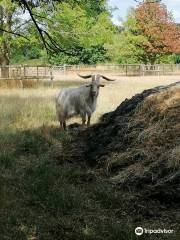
x,y
122,69
47,72
26,72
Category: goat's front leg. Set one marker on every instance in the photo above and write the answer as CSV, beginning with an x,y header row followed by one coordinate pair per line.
x,y
83,122
83,117
89,120
89,113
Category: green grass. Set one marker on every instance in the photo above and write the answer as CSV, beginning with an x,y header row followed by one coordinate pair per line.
x,y
43,198
39,198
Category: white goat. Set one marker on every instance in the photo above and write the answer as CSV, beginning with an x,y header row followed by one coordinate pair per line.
x,y
79,101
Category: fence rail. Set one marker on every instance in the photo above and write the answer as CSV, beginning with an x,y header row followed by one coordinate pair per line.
x,y
45,72
123,69
25,71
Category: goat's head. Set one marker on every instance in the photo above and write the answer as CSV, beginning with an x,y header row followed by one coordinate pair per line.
x,y
95,83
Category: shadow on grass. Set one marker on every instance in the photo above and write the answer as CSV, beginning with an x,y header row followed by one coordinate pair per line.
x,y
42,200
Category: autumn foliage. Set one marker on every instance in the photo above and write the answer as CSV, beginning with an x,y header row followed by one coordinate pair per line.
x,y
156,23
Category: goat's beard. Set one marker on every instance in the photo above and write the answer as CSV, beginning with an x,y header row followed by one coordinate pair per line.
x,y
94,95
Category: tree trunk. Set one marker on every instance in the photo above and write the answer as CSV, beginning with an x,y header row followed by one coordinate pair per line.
x,y
4,59
5,46
4,62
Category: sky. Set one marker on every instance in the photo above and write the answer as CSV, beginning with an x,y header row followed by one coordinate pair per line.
x,y
123,6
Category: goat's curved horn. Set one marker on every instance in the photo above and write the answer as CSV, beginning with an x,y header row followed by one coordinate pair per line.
x,y
106,78
86,76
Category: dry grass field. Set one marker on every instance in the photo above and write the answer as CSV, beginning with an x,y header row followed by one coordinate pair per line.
x,y
33,105
42,199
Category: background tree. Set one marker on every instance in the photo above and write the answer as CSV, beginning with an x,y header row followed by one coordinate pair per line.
x,y
74,32
26,51
10,28
6,18
158,27
126,47
47,40
77,30
149,36
34,7
44,31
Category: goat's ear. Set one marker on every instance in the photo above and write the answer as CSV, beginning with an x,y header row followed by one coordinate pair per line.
x,y
102,85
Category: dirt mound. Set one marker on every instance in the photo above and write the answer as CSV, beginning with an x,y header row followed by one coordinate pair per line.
x,y
136,148
151,116
139,143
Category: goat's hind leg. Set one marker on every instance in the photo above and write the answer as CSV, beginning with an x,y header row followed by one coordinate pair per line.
x,y
83,117
89,113
64,125
62,122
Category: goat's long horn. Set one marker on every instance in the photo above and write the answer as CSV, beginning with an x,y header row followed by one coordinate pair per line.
x,y
106,78
86,76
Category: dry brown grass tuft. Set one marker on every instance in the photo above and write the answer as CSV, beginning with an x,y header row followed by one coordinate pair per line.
x,y
174,158
9,84
140,139
165,104
15,84
155,138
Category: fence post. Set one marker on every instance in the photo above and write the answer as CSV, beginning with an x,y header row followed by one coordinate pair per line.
x,y
24,71
139,69
51,74
144,70
24,74
37,71
19,74
64,69
163,70
126,69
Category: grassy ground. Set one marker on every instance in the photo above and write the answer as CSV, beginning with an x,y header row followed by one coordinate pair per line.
x,y
109,98
41,198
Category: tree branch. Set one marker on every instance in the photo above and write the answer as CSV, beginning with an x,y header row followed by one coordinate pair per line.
x,y
39,16
17,34
24,2
24,23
